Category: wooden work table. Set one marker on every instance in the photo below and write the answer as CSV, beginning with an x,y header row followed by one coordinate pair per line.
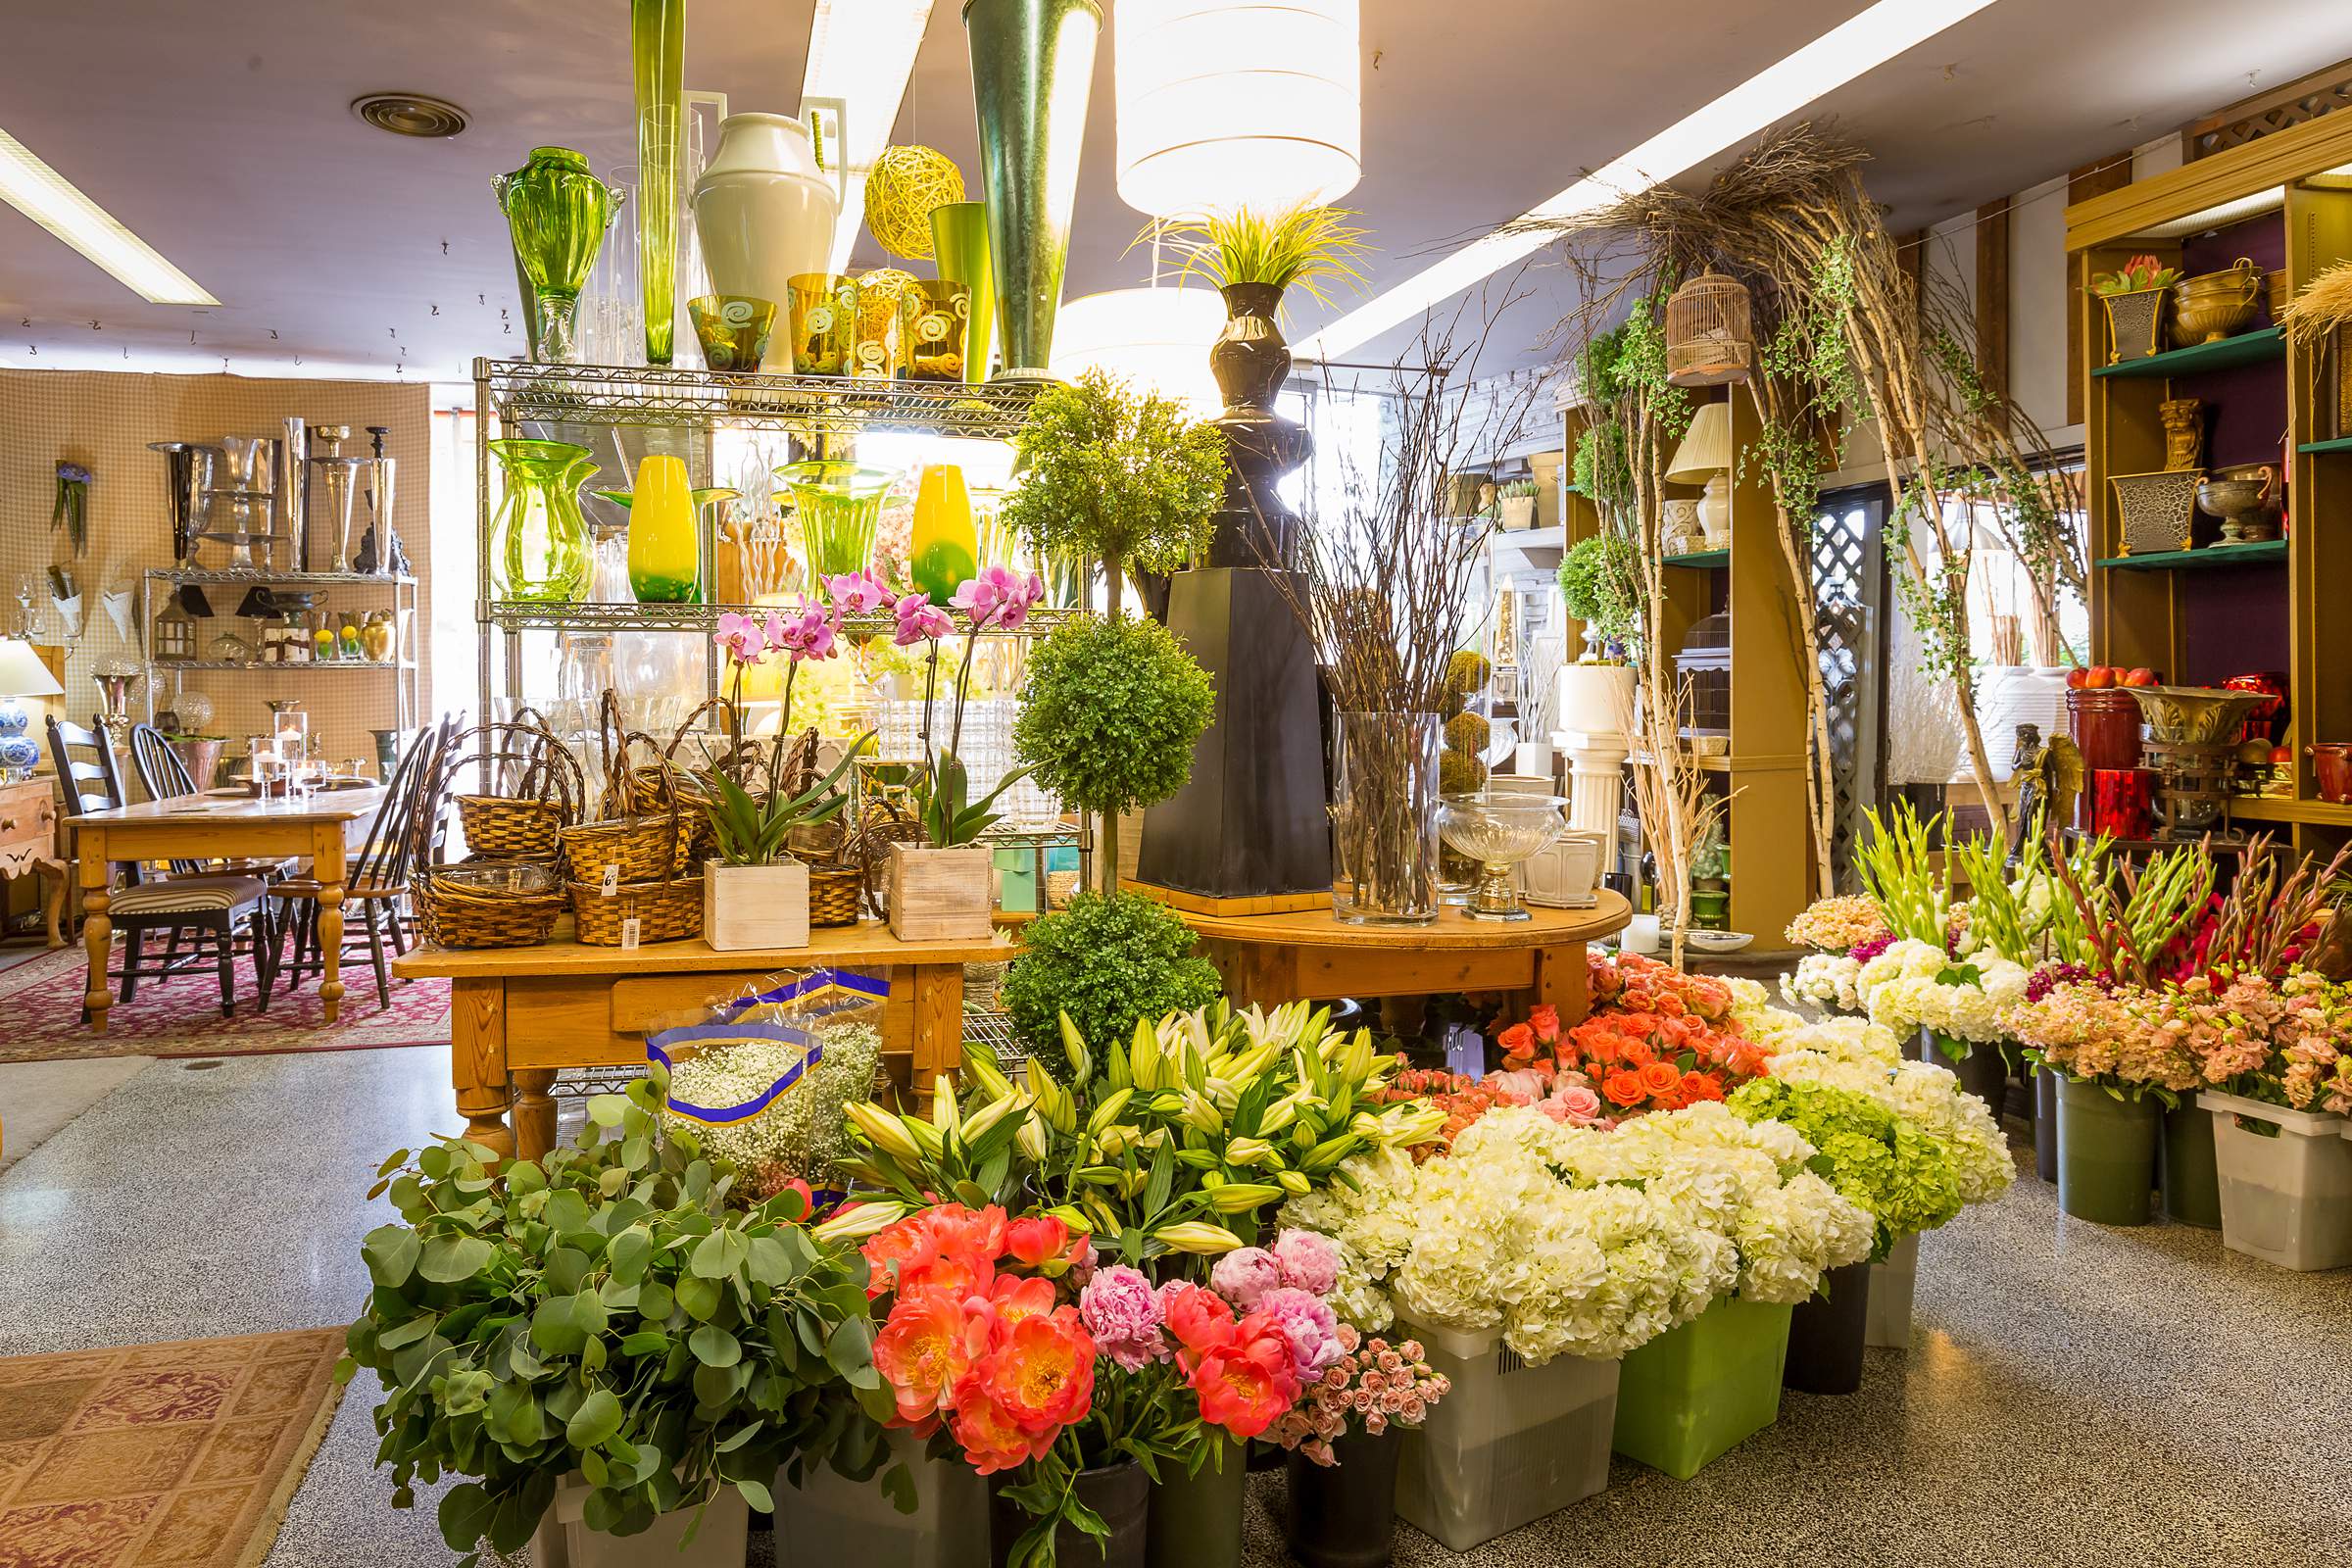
x,y
323,829
1270,959
517,1015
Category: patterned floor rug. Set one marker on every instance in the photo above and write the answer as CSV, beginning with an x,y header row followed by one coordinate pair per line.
x,y
183,1453
41,999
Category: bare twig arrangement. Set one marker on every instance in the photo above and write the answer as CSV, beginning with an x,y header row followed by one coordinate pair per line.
x,y
1841,317
1383,589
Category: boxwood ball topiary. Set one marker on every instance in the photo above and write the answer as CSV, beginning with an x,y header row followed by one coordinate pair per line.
x,y
1106,961
1110,714
1459,772
1467,671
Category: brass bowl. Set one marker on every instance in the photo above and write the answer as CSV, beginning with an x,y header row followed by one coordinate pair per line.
x,y
2246,504
2194,716
2212,306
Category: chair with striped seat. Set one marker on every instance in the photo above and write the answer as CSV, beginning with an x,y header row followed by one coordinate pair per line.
x,y
220,908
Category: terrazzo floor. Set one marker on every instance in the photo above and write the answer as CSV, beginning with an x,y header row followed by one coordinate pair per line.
x,y
2073,1396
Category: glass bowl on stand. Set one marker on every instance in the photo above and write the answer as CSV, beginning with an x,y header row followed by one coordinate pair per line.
x,y
1499,829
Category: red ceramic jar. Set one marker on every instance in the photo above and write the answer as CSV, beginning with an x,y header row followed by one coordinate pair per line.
x,y
2105,726
2332,762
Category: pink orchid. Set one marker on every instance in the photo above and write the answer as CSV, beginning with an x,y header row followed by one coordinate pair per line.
x,y
998,597
810,634
855,593
919,621
741,636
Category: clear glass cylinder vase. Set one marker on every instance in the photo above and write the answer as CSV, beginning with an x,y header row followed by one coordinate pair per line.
x,y
1384,816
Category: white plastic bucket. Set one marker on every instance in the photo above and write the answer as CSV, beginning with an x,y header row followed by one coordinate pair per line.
x,y
1891,1285
2286,1182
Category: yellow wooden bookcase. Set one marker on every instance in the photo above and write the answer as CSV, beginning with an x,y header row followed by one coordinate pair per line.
x,y
2141,610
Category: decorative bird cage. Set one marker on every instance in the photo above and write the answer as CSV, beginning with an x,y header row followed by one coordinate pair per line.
x,y
1703,669
1710,335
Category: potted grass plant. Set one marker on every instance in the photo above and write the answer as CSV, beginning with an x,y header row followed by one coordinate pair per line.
x,y
754,891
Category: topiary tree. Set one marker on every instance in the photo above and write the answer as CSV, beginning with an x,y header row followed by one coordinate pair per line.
x,y
1116,475
1109,713
1105,960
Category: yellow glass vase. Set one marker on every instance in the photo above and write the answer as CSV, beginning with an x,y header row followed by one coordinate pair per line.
x,y
945,548
665,548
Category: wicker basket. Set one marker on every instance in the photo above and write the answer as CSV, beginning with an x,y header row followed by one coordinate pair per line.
x,y
665,911
645,849
836,895
2156,511
527,790
499,828
512,903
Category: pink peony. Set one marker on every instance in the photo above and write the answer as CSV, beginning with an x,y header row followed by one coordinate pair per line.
x,y
1244,1275
1307,1326
1122,1312
1308,1262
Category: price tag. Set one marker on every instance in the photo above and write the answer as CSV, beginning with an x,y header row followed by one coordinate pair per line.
x,y
611,880
628,934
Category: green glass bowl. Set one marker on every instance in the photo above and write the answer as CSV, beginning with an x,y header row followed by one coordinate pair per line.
x,y
733,328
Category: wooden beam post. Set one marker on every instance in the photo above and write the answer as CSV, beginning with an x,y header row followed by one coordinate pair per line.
x,y
1992,298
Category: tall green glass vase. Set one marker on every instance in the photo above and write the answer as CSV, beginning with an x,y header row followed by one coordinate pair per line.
x,y
557,214
960,239
657,63
1033,63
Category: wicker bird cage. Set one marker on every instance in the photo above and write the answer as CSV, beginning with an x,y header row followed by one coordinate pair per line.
x,y
1710,335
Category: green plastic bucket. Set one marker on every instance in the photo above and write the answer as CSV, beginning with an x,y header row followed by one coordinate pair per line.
x,y
2106,1155
2191,1185
1700,1391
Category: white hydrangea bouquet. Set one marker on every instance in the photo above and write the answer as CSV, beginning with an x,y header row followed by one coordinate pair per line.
x,y
1915,985
1866,1057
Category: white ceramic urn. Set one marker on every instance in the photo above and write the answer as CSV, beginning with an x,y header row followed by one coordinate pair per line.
x,y
765,211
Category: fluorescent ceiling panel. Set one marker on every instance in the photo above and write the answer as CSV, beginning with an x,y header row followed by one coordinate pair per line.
x,y
51,201
1851,50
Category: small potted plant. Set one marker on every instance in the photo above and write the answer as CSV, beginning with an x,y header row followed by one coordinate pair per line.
x,y
754,891
648,1385
938,888
1517,499
2134,295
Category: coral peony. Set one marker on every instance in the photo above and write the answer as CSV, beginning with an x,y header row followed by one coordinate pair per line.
x,y
922,1353
1245,1384
1199,1319
1036,1240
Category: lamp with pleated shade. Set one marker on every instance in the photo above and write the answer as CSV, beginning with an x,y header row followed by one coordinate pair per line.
x,y
1705,458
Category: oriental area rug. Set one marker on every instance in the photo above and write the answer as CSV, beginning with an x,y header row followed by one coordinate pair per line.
x,y
150,1455
41,999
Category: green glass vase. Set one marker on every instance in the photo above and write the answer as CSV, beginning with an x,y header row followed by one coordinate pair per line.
x,y
539,541
840,508
658,67
557,214
960,239
1033,63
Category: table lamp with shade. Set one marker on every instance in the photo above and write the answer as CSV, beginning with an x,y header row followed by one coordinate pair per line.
x,y
21,674
1705,458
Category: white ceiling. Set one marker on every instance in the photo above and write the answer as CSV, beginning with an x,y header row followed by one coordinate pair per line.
x,y
220,134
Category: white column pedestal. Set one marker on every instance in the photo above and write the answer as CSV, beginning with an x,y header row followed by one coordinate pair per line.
x,y
1597,778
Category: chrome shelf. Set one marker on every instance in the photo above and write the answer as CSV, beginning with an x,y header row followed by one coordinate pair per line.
x,y
518,615
400,665
246,574
800,405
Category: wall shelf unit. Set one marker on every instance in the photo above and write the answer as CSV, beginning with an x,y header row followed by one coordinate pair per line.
x,y
2201,615
159,585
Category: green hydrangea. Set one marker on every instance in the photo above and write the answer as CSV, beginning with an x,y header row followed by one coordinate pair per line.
x,y
1906,1179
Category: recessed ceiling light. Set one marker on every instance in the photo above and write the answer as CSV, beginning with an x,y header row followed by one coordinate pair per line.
x,y
410,114
51,201
1849,50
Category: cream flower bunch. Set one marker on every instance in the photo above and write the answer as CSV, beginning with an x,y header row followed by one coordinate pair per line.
x,y
1823,980
1748,1182
1491,1235
1837,923
1914,985
1928,1096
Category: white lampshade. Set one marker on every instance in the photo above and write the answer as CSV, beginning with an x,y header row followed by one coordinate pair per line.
x,y
22,672
1159,338
1234,103
1706,449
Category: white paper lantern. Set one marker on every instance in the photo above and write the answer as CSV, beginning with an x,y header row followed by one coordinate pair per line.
x,y
1230,102
1159,338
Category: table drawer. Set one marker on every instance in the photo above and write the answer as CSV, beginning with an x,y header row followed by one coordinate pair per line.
x,y
28,816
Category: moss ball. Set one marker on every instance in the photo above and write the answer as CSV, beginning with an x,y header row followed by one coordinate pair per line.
x,y
1459,772
1467,671
1468,732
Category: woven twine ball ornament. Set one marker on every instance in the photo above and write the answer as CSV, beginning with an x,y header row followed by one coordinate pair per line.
x,y
906,183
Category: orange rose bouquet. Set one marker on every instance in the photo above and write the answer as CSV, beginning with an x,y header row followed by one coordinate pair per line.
x,y
1657,1039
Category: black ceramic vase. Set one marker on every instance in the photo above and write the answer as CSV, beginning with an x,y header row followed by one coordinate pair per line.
x,y
1120,1493
1826,1333
1197,1520
1251,361
1344,1515
1983,1072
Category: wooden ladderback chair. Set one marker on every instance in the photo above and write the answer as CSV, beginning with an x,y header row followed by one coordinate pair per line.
x,y
377,881
218,909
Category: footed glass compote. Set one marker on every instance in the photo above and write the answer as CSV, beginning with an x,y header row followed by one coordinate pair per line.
x,y
1499,829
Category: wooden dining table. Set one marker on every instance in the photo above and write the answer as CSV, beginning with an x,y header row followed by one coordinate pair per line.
x,y
325,828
